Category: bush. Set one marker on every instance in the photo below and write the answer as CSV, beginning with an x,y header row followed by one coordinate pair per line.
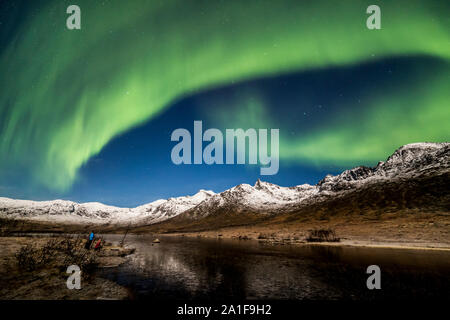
x,y
26,258
59,252
322,235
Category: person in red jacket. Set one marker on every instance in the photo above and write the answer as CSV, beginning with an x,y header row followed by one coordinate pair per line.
x,y
98,244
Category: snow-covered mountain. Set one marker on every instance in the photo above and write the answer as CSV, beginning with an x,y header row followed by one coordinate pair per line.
x,y
61,211
418,160
404,168
409,161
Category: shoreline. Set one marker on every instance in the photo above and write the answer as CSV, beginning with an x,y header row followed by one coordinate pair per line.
x,y
287,237
345,243
420,231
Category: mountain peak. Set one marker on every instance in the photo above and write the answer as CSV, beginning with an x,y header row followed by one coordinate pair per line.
x,y
208,192
407,162
259,184
203,194
418,148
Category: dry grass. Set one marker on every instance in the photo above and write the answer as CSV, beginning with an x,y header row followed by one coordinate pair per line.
x,y
58,252
34,267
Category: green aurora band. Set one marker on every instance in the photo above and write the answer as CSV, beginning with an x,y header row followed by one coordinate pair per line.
x,y
418,111
66,94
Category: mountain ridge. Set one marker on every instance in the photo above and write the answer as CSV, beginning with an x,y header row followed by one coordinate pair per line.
x,y
406,167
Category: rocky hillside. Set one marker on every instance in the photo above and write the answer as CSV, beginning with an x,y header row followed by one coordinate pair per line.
x,y
415,178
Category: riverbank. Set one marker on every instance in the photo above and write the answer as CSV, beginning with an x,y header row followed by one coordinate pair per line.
x,y
48,280
400,233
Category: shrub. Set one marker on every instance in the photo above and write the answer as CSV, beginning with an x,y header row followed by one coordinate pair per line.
x,y
26,258
322,235
60,252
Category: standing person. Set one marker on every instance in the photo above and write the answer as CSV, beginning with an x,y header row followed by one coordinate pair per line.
x,y
89,242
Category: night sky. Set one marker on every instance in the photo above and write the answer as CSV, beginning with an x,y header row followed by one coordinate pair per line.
x,y
86,115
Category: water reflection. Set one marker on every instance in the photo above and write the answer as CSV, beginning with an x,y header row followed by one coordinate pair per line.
x,y
192,268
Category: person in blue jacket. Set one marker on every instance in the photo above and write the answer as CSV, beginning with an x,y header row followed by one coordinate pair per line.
x,y
89,242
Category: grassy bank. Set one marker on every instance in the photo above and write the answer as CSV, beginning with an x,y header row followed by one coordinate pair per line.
x,y
35,268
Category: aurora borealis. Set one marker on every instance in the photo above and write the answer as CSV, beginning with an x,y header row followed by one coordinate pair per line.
x,y
66,94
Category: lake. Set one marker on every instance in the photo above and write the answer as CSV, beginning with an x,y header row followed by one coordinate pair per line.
x,y
212,269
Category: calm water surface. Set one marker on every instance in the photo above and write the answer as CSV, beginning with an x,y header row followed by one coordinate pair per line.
x,y
199,268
